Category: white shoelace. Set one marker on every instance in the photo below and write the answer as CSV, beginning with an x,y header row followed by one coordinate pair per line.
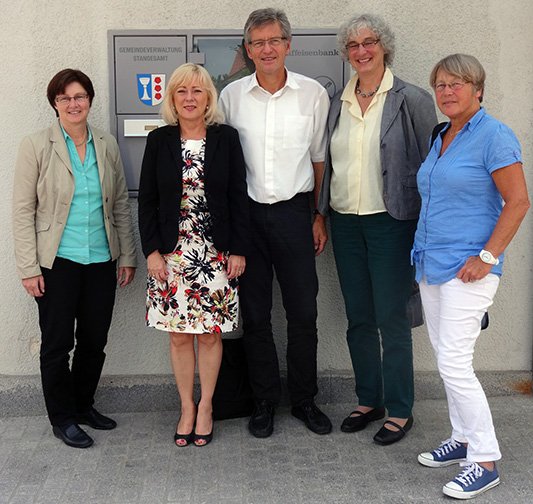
x,y
447,447
470,474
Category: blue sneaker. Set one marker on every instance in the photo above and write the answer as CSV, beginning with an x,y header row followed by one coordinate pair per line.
x,y
472,481
449,452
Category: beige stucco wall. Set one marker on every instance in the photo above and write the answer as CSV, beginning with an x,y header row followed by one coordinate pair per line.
x,y
38,37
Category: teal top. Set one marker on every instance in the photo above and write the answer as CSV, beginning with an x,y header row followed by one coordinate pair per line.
x,y
84,238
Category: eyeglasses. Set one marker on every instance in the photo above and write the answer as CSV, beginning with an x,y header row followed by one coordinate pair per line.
x,y
367,44
272,42
454,86
65,100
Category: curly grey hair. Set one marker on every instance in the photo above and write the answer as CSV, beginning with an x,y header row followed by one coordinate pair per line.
x,y
374,23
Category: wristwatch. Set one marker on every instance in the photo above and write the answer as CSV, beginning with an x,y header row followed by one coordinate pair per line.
x,y
488,258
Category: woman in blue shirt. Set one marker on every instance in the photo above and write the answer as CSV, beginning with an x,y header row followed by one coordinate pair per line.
x,y
73,238
472,169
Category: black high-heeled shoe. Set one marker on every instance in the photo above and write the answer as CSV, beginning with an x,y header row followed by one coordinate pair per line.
x,y
188,438
207,438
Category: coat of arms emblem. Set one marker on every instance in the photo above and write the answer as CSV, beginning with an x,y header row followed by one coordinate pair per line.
x,y
151,88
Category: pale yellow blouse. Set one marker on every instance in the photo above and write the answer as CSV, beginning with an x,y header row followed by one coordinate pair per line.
x,y
356,181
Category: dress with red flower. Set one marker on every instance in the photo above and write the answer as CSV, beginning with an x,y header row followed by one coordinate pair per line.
x,y
197,296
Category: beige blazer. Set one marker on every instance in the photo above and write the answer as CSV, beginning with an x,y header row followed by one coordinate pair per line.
x,y
43,191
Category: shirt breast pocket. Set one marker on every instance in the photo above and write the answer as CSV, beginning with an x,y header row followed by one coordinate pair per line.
x,y
297,131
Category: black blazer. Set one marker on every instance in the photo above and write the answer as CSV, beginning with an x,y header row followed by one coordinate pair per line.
x,y
160,190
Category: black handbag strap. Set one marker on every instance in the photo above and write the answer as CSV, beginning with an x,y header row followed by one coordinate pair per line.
x,y
436,130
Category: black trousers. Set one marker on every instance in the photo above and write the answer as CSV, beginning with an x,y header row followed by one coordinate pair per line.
x,y
76,308
282,241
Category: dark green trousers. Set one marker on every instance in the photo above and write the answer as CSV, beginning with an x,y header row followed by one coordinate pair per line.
x,y
372,253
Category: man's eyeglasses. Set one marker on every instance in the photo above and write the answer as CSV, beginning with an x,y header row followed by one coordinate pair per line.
x,y
272,42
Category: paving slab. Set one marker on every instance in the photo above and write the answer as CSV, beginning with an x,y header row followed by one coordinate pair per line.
x,y
137,463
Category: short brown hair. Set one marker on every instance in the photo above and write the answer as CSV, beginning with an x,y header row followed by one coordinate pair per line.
x,y
62,79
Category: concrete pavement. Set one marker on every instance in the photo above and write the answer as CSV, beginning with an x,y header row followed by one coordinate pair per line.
x,y
137,463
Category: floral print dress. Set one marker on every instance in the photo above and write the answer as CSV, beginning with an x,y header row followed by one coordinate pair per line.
x,y
197,296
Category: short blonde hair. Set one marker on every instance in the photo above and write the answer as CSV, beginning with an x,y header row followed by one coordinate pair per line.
x,y
464,67
184,75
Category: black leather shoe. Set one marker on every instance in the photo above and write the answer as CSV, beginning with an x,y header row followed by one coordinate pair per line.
x,y
96,420
385,436
313,418
361,420
72,435
261,424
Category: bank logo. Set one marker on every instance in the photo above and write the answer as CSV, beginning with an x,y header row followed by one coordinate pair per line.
x,y
328,83
151,88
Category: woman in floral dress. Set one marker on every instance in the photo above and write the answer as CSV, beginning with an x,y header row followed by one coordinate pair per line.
x,y
193,220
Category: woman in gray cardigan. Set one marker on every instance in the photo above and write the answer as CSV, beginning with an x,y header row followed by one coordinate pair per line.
x,y
378,135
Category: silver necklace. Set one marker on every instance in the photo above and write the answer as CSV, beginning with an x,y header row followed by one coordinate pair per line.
x,y
366,94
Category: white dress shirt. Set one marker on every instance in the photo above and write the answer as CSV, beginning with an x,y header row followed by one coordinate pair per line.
x,y
281,134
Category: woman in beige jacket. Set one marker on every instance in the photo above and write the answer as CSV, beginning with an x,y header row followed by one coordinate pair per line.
x,y
72,228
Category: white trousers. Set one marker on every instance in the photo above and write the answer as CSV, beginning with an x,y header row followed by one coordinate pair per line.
x,y
453,313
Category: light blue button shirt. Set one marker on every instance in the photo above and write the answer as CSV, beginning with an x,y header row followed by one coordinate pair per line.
x,y
460,201
84,238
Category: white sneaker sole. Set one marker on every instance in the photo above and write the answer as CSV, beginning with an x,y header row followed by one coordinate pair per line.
x,y
450,492
433,463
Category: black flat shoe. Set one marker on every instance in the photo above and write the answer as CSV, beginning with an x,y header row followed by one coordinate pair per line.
x,y
96,420
359,422
206,438
261,423
314,419
386,437
188,438
72,435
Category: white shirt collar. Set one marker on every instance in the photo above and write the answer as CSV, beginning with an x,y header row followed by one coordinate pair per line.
x,y
290,82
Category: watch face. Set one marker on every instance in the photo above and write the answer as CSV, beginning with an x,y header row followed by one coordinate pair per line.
x,y
486,257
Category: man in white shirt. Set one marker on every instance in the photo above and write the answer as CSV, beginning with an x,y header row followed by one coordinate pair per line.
x,y
281,118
